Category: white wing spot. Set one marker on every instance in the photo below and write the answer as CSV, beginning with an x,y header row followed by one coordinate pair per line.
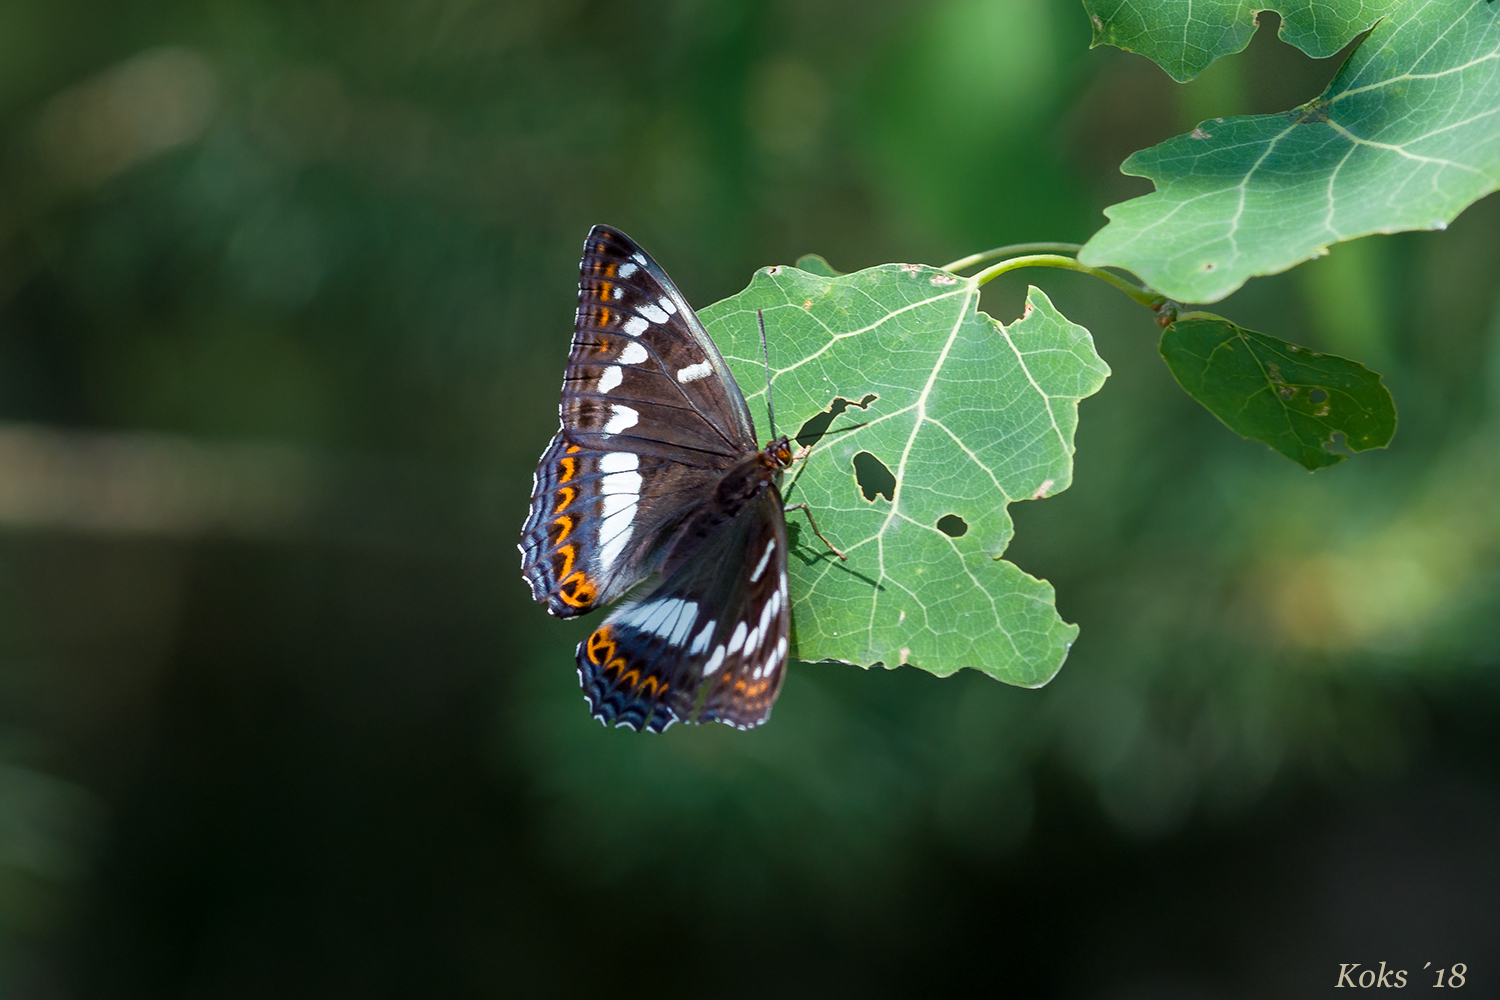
x,y
626,270
611,378
652,313
671,618
619,461
621,418
635,326
765,558
621,490
714,661
634,353
701,640
765,616
737,639
667,305
693,373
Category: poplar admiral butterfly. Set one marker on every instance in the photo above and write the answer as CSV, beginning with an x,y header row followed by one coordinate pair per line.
x,y
655,472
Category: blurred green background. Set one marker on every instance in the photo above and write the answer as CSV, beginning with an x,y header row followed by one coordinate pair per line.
x,y
285,297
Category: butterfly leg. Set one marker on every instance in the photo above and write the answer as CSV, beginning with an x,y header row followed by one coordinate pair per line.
x,y
804,508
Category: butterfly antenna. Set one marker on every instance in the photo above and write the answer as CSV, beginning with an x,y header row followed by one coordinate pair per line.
x,y
765,352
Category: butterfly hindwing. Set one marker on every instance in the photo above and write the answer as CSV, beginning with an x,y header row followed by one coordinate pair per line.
x,y
597,520
707,645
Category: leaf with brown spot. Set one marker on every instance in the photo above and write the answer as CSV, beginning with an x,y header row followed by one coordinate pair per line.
x,y
1293,399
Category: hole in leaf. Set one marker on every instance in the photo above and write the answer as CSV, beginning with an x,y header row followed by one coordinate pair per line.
x,y
1338,443
873,477
1317,395
953,526
817,425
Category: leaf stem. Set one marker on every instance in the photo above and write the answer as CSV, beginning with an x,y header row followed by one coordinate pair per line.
x,y
1151,300
976,258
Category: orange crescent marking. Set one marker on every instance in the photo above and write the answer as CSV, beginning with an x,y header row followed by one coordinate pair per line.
x,y
569,469
572,448
600,648
567,553
566,524
571,493
617,664
649,680
604,289
635,675
583,590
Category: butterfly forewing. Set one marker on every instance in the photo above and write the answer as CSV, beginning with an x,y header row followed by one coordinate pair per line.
x,y
709,644
643,373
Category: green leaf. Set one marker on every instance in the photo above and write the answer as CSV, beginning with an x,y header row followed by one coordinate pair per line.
x,y
1405,137
1184,36
1293,399
968,415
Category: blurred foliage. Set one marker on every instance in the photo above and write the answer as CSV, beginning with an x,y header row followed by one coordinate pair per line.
x,y
285,293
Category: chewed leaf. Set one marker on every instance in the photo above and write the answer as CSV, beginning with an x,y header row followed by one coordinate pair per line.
x,y
943,418
1405,137
1293,399
1184,36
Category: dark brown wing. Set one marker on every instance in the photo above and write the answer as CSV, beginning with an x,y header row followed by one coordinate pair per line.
x,y
644,375
709,644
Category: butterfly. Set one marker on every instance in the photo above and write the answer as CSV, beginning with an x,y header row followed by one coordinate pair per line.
x,y
655,473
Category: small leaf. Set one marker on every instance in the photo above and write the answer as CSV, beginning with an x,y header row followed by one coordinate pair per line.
x,y
1405,137
1293,399
1184,36
956,417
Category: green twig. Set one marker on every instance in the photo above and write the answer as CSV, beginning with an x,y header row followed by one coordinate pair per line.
x,y
976,258
1154,301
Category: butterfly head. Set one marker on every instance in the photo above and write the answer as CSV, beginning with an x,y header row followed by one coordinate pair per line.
x,y
779,453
